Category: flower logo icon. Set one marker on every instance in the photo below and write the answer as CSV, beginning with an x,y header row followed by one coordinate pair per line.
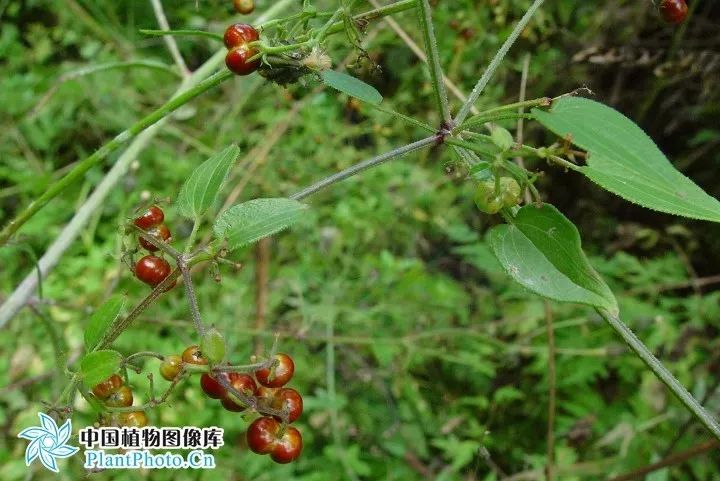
x,y
47,442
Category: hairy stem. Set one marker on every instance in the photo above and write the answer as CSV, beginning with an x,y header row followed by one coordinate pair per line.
x,y
662,373
495,63
80,169
367,164
433,56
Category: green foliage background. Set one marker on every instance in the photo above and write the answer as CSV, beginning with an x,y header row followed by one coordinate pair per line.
x,y
417,357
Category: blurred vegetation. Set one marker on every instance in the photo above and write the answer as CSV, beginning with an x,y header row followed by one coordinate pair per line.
x,y
416,356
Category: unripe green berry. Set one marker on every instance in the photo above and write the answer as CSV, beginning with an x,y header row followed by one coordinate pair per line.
x,y
486,199
510,191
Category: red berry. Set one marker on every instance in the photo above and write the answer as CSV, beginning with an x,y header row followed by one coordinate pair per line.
x,y
237,60
262,435
150,218
244,7
674,11
170,367
242,383
288,399
107,387
288,447
211,387
192,355
239,34
160,232
152,270
279,373
121,398
134,419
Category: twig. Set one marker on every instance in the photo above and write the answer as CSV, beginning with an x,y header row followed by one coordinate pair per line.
x,y
413,46
678,458
689,422
495,63
52,256
520,132
552,389
191,297
662,373
169,40
361,166
433,57
118,141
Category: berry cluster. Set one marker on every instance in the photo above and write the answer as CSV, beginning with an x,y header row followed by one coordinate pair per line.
x,y
113,392
268,434
674,11
151,269
237,39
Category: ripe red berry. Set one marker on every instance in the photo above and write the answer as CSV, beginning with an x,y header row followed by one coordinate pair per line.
x,y
211,387
121,398
192,355
243,383
262,435
238,61
170,367
288,447
239,34
152,270
107,387
244,7
160,232
150,218
279,373
288,399
674,11
134,419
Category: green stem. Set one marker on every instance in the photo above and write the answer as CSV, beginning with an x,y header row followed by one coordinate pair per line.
x,y
81,168
662,373
403,117
477,148
495,63
359,167
183,33
431,50
396,7
191,238
481,119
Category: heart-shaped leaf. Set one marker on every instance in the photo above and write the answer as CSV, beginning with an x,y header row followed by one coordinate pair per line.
x,y
541,250
97,366
201,189
351,86
245,223
101,320
625,161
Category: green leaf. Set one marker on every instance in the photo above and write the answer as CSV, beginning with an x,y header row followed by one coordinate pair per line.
x,y
625,161
97,366
351,86
200,191
101,320
245,223
541,250
502,137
